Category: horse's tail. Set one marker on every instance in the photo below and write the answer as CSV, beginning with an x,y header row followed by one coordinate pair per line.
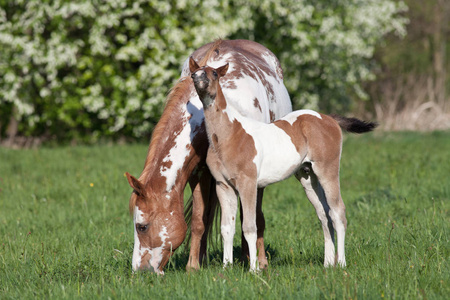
x,y
354,125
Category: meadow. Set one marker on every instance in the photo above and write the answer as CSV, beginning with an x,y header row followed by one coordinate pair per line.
x,y
65,231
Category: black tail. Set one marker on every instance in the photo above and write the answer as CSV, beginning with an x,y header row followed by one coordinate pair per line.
x,y
354,125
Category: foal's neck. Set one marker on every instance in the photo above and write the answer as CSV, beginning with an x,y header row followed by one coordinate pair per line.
x,y
223,121
215,115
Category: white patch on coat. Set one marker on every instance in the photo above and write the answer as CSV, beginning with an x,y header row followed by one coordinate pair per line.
x,y
276,157
156,253
193,118
292,117
138,251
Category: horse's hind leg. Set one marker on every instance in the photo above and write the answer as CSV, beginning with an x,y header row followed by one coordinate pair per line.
x,y
316,196
261,225
328,176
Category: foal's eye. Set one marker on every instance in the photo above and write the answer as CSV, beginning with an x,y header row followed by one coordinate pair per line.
x,y
214,73
141,227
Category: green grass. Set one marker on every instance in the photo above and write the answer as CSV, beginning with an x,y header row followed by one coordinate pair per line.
x,y
65,231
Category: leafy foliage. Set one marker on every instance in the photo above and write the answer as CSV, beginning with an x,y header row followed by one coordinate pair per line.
x,y
91,68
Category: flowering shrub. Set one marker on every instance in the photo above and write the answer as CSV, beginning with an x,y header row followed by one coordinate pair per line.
x,y
84,69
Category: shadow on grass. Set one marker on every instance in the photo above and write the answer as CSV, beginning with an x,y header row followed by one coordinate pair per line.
x,y
275,258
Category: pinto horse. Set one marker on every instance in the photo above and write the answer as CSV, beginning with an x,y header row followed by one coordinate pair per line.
x,y
178,150
247,154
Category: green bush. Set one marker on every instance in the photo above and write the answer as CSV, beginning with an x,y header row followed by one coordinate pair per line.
x,y
86,69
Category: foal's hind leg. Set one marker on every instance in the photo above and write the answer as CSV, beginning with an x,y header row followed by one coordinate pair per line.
x,y
328,176
316,196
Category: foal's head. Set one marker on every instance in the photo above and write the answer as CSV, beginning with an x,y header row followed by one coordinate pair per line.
x,y
206,80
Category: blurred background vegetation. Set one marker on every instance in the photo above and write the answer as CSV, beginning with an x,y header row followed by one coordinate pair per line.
x,y
82,71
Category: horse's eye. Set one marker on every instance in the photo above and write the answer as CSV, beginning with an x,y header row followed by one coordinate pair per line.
x,y
141,227
214,73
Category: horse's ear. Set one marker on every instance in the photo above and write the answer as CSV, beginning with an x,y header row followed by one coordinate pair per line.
x,y
193,65
137,186
222,70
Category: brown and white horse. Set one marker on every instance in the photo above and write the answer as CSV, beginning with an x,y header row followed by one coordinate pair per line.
x,y
247,154
178,150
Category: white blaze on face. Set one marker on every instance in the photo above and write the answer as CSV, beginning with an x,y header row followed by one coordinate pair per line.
x,y
192,118
138,251
156,253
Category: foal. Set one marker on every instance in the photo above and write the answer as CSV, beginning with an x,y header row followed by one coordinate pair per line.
x,y
248,154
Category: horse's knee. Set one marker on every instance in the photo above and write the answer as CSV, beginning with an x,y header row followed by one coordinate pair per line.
x,y
227,231
198,228
338,217
249,227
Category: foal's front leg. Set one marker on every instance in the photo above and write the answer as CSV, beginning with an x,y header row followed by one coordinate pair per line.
x,y
261,225
248,192
228,203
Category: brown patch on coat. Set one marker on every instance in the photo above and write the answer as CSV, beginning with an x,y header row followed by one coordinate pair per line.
x,y
256,104
229,84
272,116
314,136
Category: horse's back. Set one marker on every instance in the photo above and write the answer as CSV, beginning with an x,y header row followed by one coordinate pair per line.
x,y
254,81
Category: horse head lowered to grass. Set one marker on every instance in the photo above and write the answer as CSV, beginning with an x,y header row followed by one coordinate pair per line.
x,y
179,147
247,154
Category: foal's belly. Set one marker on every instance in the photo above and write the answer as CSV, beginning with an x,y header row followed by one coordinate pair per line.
x,y
276,158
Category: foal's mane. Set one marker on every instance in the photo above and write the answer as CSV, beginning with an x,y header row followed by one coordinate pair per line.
x,y
173,99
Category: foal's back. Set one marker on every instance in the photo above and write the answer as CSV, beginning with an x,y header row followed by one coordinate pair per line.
x,y
282,146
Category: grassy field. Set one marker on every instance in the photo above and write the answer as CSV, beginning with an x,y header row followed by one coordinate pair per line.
x,y
65,231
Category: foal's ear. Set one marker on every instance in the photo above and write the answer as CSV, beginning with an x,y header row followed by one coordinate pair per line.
x,y
193,65
137,186
222,70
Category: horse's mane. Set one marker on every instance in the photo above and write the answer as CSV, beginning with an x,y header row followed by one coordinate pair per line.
x,y
175,94
172,101
210,52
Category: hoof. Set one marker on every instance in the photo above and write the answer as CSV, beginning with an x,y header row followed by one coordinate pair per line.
x,y
192,268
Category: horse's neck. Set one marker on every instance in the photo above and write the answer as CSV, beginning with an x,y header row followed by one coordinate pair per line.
x,y
178,144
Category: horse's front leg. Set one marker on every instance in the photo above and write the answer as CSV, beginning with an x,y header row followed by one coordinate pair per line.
x,y
248,193
200,222
261,225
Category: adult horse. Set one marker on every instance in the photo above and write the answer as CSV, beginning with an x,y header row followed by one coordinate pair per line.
x,y
179,146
